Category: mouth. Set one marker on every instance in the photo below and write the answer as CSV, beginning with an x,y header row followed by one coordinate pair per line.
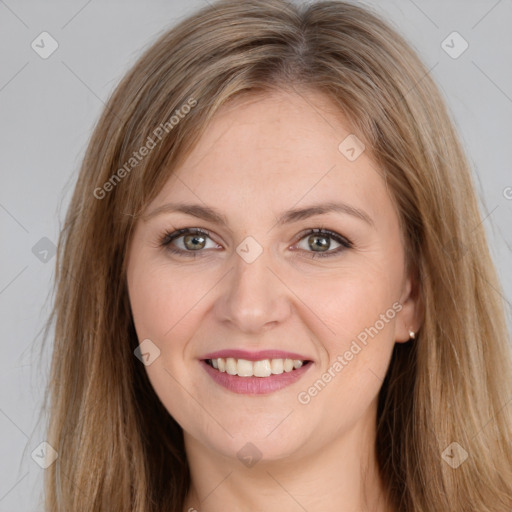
x,y
255,377
261,368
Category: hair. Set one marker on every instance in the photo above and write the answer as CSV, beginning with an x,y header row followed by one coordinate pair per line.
x,y
119,448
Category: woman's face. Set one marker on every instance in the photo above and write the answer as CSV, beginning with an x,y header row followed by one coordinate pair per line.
x,y
261,286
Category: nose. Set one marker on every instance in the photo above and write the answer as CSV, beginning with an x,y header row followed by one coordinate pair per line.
x,y
253,298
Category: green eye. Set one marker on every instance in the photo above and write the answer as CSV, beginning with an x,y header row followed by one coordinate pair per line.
x,y
320,238
195,240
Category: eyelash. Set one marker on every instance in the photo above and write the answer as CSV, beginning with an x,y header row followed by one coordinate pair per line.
x,y
168,237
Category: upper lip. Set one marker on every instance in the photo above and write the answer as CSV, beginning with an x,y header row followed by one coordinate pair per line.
x,y
255,356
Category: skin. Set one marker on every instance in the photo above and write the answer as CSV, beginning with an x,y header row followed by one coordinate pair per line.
x,y
261,156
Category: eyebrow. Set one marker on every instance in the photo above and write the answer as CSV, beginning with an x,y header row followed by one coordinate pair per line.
x,y
211,214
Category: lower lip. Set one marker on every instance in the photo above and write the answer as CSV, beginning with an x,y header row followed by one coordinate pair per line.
x,y
255,385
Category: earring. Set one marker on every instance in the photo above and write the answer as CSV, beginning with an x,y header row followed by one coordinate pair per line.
x,y
412,334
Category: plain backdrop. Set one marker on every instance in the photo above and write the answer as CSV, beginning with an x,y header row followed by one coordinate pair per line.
x,y
49,106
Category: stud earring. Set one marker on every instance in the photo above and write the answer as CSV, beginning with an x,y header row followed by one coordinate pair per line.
x,y
412,334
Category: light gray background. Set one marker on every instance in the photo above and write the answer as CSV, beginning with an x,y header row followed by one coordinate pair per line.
x,y
48,109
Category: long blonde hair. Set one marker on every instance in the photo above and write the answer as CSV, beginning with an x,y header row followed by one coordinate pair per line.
x,y
119,448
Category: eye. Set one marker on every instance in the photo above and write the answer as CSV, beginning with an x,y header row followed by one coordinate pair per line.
x,y
321,240
189,241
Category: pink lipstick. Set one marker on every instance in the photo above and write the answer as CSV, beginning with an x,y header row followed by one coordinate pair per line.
x,y
261,372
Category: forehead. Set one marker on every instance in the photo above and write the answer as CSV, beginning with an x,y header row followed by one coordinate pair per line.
x,y
275,150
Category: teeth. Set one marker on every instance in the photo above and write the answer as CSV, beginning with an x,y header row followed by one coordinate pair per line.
x,y
244,368
276,365
231,366
262,368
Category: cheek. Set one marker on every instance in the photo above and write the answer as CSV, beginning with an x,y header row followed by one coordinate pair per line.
x,y
351,301
357,354
159,301
355,322
162,305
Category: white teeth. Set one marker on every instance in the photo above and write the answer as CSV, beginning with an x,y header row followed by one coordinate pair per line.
x,y
244,368
262,368
231,366
276,366
288,365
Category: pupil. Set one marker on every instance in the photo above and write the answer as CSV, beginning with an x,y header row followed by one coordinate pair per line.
x,y
195,245
323,244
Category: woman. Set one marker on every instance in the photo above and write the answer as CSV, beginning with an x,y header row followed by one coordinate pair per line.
x,y
274,287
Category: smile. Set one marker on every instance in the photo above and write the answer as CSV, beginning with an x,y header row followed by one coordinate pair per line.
x,y
261,368
255,377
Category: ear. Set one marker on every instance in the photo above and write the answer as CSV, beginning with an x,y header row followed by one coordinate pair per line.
x,y
410,317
